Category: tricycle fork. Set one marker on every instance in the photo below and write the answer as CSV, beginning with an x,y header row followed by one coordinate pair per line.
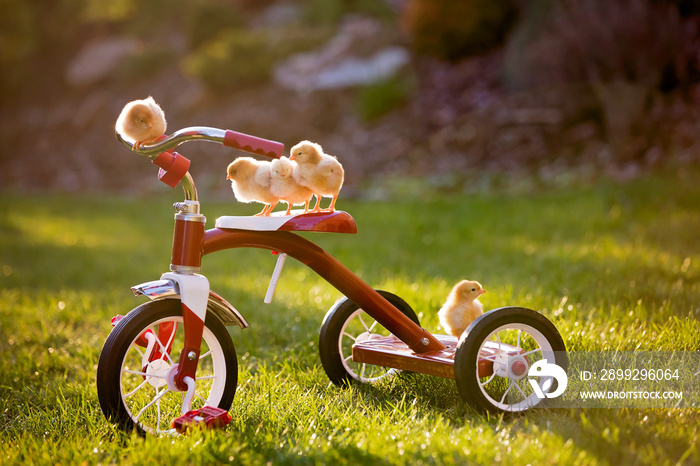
x,y
194,295
185,264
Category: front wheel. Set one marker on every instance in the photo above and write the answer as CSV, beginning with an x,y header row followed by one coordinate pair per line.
x,y
132,373
346,324
495,353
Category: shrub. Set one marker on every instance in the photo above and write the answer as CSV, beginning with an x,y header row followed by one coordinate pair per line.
x,y
236,58
602,40
332,11
209,19
377,99
624,50
453,29
242,57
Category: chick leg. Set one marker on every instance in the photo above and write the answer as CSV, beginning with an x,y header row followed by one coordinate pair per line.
x,y
139,144
331,208
267,210
317,208
262,212
289,209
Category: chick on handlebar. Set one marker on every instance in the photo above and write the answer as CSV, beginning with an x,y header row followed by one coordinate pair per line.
x,y
141,126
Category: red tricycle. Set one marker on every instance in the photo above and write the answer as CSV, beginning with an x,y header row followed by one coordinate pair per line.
x,y
173,354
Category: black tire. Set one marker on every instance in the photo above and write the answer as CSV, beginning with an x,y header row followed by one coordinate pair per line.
x,y
342,325
125,390
502,391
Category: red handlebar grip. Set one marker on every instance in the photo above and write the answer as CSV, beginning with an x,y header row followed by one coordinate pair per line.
x,y
255,145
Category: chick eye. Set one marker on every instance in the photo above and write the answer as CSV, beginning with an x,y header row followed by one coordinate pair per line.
x,y
473,289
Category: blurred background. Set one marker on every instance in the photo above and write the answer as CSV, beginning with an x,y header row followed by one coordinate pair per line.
x,y
450,95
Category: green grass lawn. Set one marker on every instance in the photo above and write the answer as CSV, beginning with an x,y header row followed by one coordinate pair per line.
x,y
615,267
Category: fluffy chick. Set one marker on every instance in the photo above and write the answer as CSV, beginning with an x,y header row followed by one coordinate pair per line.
x,y
250,181
462,307
142,121
321,173
285,187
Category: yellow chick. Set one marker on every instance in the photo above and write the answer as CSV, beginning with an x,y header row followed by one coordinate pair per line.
x,y
462,307
285,187
142,121
321,173
250,181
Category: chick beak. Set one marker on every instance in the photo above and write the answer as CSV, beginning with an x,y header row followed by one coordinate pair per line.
x,y
228,177
482,292
293,157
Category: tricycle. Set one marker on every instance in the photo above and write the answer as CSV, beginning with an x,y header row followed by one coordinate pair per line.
x,y
173,356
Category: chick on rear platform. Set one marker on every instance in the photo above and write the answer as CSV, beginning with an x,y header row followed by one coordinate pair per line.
x,y
250,181
320,172
461,308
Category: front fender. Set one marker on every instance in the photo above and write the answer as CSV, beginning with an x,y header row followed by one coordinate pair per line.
x,y
167,289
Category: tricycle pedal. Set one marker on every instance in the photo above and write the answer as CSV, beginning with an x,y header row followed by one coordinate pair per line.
x,y
208,416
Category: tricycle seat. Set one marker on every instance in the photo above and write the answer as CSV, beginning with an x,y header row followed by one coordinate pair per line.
x,y
330,222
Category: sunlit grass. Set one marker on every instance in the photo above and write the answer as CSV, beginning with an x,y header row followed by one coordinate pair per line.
x,y
615,267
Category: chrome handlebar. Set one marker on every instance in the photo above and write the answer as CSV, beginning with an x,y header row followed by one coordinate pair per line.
x,y
226,137
192,133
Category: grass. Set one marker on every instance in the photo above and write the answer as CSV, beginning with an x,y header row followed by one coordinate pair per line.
x,y
615,267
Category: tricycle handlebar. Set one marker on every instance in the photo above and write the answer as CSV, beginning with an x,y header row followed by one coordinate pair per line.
x,y
245,142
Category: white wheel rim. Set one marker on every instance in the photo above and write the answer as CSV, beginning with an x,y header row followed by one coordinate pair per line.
x,y
518,389
153,406
359,371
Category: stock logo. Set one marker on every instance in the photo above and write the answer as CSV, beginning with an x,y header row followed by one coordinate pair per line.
x,y
553,372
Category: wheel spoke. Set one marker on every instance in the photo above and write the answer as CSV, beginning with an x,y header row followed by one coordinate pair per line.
x,y
532,351
491,358
154,400
350,336
493,374
519,334
371,327
521,391
507,390
158,420
164,349
131,393
359,317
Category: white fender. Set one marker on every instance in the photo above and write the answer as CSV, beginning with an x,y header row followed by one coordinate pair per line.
x,y
194,291
170,289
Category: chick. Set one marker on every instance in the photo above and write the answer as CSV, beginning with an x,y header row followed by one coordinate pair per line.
x,y
285,187
321,173
250,181
143,121
461,308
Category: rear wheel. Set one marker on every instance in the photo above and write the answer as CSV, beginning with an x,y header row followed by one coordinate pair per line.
x,y
346,324
494,355
133,388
